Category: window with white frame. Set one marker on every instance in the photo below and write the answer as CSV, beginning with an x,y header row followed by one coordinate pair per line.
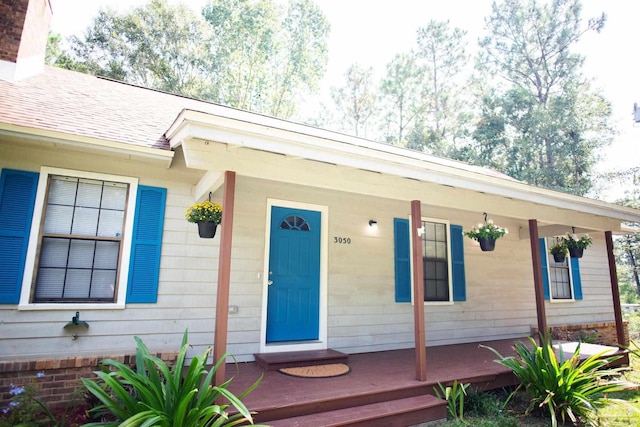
x,y
81,238
435,252
559,276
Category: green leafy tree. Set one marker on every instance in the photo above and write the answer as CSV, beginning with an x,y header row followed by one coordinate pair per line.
x,y
543,124
156,45
252,55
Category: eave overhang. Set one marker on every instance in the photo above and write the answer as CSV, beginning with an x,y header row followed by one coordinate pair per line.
x,y
242,130
80,143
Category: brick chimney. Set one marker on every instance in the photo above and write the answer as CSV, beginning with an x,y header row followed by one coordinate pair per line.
x,y
24,29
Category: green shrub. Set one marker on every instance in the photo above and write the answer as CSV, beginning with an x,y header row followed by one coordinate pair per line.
x,y
154,395
569,389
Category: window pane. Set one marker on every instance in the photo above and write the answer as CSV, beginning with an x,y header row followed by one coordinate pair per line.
x,y
106,256
103,284
54,253
77,283
559,277
62,191
441,251
85,221
58,219
110,223
89,193
114,196
81,254
441,234
49,283
429,230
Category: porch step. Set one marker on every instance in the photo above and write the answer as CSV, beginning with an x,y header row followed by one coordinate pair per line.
x,y
391,413
294,359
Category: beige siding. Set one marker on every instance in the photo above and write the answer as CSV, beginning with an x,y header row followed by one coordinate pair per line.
x,y
362,313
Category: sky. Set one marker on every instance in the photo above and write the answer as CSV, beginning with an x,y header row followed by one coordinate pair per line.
x,y
371,32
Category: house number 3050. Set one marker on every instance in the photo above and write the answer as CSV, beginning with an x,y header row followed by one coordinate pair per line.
x,y
342,240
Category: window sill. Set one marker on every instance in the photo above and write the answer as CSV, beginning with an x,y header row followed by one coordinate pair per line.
x,y
70,306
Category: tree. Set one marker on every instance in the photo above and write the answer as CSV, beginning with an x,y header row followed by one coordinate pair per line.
x,y
156,45
443,62
547,121
356,100
248,54
402,97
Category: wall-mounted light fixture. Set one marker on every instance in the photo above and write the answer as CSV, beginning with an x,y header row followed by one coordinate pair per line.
x,y
373,223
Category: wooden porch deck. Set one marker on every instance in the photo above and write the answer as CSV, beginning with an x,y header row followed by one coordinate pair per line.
x,y
374,377
383,378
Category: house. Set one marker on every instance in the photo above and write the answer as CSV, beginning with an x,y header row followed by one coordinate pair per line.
x,y
321,245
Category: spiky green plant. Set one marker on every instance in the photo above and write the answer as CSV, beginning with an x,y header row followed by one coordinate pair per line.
x,y
454,395
569,389
154,395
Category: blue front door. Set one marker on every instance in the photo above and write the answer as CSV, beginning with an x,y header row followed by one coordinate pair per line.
x,y
293,301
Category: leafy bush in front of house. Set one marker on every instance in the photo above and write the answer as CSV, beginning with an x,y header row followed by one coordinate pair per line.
x,y
153,394
568,389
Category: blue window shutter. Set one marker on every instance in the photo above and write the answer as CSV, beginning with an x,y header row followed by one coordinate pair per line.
x,y
17,200
457,264
144,267
402,259
545,269
575,276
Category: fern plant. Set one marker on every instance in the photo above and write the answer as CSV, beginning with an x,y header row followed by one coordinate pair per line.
x,y
154,395
570,389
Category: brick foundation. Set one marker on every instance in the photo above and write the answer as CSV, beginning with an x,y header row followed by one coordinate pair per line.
x,y
62,377
598,333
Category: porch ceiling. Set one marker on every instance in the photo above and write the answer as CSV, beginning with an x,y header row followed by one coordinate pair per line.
x,y
268,148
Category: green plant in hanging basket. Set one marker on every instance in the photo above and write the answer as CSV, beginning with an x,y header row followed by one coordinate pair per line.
x,y
559,248
204,211
488,230
571,240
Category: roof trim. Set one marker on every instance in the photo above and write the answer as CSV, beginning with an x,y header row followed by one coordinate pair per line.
x,y
55,139
252,131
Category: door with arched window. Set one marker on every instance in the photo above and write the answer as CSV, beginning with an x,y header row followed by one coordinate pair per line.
x,y
293,292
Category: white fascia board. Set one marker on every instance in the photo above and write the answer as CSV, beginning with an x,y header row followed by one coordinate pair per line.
x,y
278,136
59,139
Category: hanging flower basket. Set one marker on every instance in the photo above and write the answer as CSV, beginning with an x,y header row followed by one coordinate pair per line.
x,y
559,257
576,252
207,215
486,234
559,251
487,244
576,245
207,229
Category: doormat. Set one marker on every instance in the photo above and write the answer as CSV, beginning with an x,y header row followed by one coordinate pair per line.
x,y
317,371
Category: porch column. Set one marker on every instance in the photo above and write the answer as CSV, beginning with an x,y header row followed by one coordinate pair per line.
x,y
418,292
224,274
537,277
615,291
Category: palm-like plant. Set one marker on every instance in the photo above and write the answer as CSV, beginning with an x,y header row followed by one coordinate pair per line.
x,y
154,395
570,388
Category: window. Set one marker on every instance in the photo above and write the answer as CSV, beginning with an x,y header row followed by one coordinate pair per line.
x,y
81,240
561,280
78,237
443,261
435,261
559,276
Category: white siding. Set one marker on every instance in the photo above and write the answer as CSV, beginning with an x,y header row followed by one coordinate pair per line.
x,y
362,313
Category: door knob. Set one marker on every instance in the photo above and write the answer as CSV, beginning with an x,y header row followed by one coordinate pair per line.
x,y
269,282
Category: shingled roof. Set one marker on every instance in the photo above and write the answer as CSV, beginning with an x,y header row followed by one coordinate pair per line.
x,y
81,104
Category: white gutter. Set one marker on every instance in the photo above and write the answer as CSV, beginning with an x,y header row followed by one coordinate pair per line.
x,y
83,143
